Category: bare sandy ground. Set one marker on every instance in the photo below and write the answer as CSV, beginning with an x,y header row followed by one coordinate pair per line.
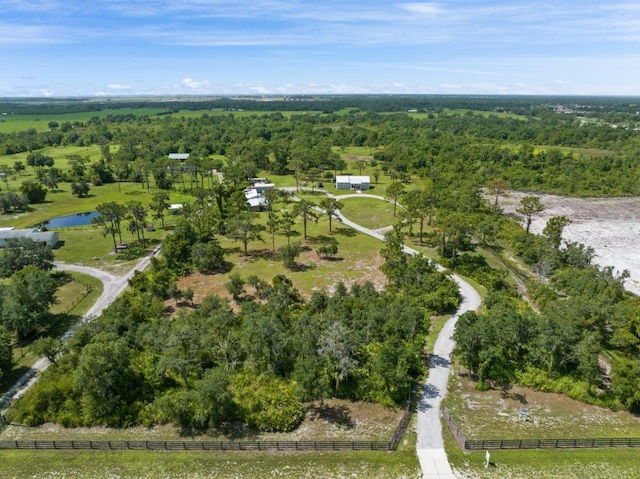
x,y
611,226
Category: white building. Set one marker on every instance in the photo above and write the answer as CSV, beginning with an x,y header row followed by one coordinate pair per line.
x,y
344,182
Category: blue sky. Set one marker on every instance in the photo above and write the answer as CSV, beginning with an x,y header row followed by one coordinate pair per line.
x,y
199,47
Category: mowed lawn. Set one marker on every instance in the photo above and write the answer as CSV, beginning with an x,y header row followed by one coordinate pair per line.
x,y
205,465
371,213
358,260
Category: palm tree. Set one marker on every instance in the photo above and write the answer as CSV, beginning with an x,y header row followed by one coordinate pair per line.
x,y
394,190
305,210
361,164
330,206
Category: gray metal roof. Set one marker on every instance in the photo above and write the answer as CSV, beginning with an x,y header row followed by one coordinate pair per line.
x,y
49,237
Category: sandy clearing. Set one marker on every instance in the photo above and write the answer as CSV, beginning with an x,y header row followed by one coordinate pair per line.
x,y
611,226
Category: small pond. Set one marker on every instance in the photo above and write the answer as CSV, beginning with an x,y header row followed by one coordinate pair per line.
x,y
81,219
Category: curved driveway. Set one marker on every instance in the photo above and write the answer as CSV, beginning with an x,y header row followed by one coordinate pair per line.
x,y
113,286
430,445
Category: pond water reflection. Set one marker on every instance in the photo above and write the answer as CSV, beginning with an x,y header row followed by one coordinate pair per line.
x,y
81,219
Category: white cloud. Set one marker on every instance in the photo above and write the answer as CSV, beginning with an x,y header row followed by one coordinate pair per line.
x,y
116,86
430,9
190,84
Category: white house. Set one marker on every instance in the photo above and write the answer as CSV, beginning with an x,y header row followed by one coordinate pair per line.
x,y
344,182
255,198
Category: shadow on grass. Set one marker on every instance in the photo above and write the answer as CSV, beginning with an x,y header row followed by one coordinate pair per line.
x,y
136,250
332,259
344,231
321,239
237,430
266,254
506,393
61,277
339,415
300,267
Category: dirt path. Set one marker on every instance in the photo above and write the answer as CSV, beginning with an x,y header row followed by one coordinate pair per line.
x,y
611,226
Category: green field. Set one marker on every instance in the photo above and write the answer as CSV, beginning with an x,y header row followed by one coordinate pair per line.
x,y
369,212
160,465
13,123
544,464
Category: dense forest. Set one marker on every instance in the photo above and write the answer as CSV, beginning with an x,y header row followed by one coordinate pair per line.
x,y
551,148
447,158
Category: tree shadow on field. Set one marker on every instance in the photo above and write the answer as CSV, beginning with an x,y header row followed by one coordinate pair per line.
x,y
262,254
339,415
344,231
506,393
237,430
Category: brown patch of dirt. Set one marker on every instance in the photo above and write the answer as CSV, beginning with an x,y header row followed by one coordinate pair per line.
x,y
202,285
496,414
611,226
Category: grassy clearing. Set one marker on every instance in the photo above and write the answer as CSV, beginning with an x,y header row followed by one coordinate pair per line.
x,y
59,154
483,113
354,153
78,295
358,259
62,202
88,247
40,122
237,465
577,151
369,212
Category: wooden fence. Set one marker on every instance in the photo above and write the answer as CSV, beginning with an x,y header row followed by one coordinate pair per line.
x,y
402,427
460,437
591,443
577,443
199,445
6,416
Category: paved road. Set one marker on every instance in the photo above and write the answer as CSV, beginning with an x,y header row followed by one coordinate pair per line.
x,y
113,286
430,445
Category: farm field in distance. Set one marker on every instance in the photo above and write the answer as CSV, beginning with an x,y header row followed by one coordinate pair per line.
x,y
450,155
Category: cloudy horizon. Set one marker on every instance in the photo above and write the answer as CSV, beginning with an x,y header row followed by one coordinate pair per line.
x,y
274,47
